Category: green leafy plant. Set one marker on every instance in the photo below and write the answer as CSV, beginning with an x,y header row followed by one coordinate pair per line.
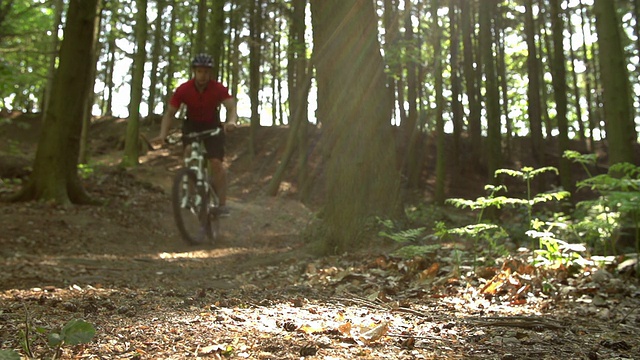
x,y
9,355
489,233
410,238
74,332
553,251
85,170
494,234
527,174
615,209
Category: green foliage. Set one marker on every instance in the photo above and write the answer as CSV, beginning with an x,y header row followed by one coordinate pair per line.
x,y
25,38
552,251
413,236
9,355
409,235
74,332
617,206
411,251
85,170
527,174
482,231
492,234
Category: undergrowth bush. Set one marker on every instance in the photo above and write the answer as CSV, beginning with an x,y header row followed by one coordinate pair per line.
x,y
560,239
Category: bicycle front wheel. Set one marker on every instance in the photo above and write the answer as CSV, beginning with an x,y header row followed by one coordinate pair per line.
x,y
190,207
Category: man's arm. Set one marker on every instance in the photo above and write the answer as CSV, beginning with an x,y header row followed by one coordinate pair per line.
x,y
232,115
165,126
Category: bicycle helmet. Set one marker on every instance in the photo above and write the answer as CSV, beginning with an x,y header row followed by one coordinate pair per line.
x,y
202,60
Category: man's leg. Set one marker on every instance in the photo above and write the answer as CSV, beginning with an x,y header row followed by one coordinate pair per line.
x,y
219,180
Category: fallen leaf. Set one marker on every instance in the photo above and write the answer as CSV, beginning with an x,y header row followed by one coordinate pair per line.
x,y
374,334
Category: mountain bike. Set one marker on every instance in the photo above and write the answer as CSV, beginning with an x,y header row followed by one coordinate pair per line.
x,y
195,202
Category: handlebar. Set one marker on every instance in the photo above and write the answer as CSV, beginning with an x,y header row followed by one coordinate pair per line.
x,y
173,139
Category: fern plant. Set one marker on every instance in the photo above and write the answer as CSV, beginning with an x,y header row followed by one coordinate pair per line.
x,y
527,174
617,206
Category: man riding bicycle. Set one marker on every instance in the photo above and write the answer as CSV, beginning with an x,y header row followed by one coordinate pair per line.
x,y
203,96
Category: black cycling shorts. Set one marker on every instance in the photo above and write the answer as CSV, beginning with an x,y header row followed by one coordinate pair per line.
x,y
213,144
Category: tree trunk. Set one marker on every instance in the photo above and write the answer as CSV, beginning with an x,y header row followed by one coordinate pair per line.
x,y
411,131
437,59
472,87
55,40
255,59
621,133
361,175
111,60
297,120
201,27
217,36
587,77
456,86
83,152
169,86
501,68
55,168
559,79
533,89
492,100
158,44
132,141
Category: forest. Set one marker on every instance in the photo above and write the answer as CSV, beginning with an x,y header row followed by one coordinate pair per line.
x,y
490,141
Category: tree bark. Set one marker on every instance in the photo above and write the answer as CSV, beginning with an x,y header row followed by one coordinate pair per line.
x,y
355,110
437,59
472,87
559,78
158,43
255,60
132,141
621,133
533,88
55,168
456,85
492,100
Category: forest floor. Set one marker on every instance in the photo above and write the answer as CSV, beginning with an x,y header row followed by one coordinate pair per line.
x,y
260,293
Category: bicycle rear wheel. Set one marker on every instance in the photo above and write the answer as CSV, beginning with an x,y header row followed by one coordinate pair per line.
x,y
190,207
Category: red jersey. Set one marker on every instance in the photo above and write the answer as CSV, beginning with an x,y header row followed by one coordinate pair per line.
x,y
201,107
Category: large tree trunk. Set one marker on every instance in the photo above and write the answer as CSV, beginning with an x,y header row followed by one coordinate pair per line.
x,y
355,110
621,133
55,40
55,168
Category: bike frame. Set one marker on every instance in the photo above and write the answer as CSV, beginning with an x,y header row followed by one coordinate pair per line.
x,y
196,161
